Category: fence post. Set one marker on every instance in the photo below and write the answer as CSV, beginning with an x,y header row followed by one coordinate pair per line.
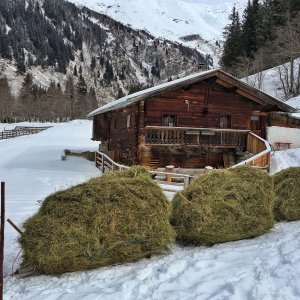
x,y
186,181
102,164
2,237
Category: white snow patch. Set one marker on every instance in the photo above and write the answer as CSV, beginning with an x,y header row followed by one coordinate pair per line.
x,y
172,19
32,168
285,159
267,267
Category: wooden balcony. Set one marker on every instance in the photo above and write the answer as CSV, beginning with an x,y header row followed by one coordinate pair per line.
x,y
180,136
283,120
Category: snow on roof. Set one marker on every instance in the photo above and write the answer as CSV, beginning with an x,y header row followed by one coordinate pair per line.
x,y
130,99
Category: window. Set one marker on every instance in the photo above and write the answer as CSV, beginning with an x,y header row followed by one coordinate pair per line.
x,y
128,121
169,120
254,118
225,121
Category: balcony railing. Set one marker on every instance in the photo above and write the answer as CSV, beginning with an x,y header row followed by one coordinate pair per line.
x,y
156,135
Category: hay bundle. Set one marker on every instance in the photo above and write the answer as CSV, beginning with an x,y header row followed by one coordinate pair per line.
x,y
287,194
224,205
112,219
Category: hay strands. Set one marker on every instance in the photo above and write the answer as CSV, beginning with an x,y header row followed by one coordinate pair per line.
x,y
22,272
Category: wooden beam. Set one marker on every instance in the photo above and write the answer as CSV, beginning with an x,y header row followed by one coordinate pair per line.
x,y
223,83
253,98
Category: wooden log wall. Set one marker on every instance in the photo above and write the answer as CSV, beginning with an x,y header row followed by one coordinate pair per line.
x,y
118,132
200,105
181,157
207,101
283,120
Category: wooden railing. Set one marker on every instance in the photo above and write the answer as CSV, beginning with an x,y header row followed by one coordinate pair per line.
x,y
20,131
261,150
283,119
157,135
106,164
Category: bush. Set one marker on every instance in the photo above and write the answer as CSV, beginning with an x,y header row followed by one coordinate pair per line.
x,y
116,218
287,195
224,205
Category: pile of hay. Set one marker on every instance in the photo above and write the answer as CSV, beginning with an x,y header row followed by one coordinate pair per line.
x,y
116,218
224,205
287,195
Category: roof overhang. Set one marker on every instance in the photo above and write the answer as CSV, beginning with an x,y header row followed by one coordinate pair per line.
x,y
223,78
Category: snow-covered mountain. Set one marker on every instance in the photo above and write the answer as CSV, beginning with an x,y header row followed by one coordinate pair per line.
x,y
113,58
201,21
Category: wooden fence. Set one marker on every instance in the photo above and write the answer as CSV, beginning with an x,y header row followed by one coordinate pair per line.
x,y
157,135
255,144
106,164
20,131
261,150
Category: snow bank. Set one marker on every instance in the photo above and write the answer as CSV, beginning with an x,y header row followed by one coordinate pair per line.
x,y
267,267
32,168
285,159
9,126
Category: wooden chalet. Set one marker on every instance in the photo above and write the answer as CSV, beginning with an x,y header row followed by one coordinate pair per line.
x,y
205,119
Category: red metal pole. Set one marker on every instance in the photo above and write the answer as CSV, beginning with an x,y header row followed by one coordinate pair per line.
x,y
2,237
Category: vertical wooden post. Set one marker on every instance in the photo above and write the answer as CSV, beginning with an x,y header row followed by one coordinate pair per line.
x,y
170,170
186,181
2,237
102,164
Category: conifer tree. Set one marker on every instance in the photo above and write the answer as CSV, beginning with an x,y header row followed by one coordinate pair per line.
x,y
70,98
80,104
232,35
26,99
6,101
251,29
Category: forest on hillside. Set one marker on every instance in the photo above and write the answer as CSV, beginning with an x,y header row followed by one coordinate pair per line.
x,y
38,104
55,48
266,36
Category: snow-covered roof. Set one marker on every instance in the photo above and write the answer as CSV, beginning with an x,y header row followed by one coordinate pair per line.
x,y
153,91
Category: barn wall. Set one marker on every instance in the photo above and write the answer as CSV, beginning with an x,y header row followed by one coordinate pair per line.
x,y
197,105
207,101
182,157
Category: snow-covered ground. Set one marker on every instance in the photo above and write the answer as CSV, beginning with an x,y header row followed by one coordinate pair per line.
x,y
269,81
285,159
10,126
285,134
267,267
32,168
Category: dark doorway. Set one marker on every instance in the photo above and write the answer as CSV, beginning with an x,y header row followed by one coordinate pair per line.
x,y
225,121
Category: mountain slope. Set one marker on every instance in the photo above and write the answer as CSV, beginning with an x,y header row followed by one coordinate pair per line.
x,y
200,20
53,39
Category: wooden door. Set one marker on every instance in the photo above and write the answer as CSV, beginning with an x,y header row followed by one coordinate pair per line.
x,y
256,124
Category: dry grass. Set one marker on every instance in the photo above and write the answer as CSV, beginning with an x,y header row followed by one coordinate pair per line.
x,y
224,205
287,195
116,218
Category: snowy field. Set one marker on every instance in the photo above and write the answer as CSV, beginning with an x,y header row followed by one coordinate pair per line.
x,y
32,168
267,267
